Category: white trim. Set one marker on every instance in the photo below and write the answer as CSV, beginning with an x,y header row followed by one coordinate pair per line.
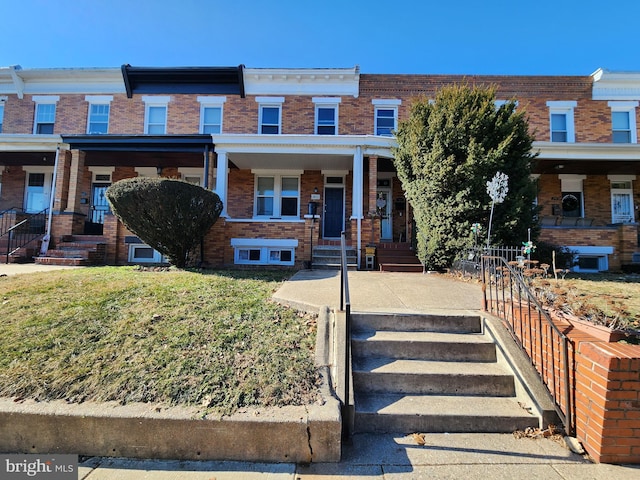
x,y
269,104
156,99
328,100
563,107
630,109
601,253
37,169
149,172
277,176
154,102
327,105
385,106
157,256
270,100
386,102
212,100
101,171
615,85
46,98
98,99
271,173
621,178
266,242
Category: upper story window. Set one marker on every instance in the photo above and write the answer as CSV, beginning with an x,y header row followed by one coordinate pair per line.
x,y
326,115
2,100
561,121
623,122
99,107
155,118
270,115
277,196
211,114
386,116
45,116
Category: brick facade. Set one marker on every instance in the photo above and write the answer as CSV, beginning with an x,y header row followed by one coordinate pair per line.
x,y
297,144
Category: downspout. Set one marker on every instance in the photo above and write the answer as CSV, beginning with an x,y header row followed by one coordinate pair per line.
x,y
47,237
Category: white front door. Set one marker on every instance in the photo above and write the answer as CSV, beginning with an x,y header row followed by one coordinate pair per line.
x,y
37,191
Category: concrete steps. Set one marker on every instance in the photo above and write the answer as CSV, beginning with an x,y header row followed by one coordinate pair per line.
x,y
430,373
328,257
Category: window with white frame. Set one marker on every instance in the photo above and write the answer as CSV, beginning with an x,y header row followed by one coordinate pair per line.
x,y
326,115
99,107
386,116
277,196
155,118
572,195
623,122
211,114
141,253
45,114
622,208
270,115
264,251
192,175
561,121
2,100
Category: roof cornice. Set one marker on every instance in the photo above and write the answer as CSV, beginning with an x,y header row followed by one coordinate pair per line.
x,y
615,85
302,81
18,81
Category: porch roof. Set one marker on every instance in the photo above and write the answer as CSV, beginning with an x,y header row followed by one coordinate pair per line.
x,y
587,158
139,143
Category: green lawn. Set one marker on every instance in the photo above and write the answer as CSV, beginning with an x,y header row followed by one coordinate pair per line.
x,y
212,339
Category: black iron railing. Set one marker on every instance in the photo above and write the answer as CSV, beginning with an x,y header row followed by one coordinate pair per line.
x,y
507,296
345,306
28,228
8,219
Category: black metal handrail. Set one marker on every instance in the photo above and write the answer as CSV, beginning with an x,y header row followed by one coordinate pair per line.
x,y
345,305
8,219
507,296
31,228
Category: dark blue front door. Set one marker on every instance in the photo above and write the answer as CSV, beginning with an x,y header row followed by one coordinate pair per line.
x,y
333,221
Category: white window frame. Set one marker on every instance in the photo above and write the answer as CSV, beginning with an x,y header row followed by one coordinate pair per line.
x,y
264,247
573,183
277,176
380,104
630,109
156,258
326,103
41,100
601,253
155,101
565,108
98,100
211,102
617,179
192,173
270,102
3,99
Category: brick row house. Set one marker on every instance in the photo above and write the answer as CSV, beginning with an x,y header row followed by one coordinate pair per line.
x,y
296,155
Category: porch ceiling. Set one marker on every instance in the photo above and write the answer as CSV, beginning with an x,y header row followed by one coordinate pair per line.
x,y
27,158
285,161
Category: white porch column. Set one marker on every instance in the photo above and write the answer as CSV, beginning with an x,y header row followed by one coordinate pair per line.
x,y
222,180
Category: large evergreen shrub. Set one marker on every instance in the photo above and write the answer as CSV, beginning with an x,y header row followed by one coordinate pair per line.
x,y
447,151
172,216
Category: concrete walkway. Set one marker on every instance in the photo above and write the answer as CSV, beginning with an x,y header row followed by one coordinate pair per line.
x,y
387,456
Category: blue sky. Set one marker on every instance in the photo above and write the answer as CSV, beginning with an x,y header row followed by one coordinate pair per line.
x,y
546,37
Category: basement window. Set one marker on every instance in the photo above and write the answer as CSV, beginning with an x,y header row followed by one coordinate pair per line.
x,y
264,251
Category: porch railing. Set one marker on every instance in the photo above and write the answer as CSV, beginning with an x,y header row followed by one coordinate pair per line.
x,y
26,231
469,261
345,306
8,219
507,296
